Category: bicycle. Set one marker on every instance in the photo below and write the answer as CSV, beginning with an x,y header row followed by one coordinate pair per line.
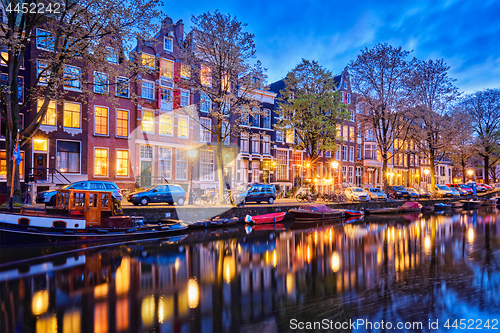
x,y
196,198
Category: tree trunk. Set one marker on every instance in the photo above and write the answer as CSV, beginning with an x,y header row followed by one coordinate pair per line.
x,y
10,142
486,169
384,172
432,155
463,172
220,166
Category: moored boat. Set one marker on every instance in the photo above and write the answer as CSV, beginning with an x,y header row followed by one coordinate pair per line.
x,y
410,207
353,213
266,218
213,223
390,210
456,205
470,204
489,202
313,213
442,206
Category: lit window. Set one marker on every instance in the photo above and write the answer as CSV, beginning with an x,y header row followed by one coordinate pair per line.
x,y
184,98
101,120
68,156
50,116
166,124
167,44
122,123
148,60
289,136
122,162
101,83
5,55
282,165
148,89
205,103
183,127
166,68
206,76
72,77
100,162
44,40
165,164
147,121
41,144
122,87
351,154
181,164
72,113
206,165
185,71
42,72
205,126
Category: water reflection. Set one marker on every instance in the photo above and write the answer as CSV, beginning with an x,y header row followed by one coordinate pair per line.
x,y
410,268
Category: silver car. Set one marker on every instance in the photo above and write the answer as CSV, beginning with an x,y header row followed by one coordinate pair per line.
x,y
356,194
376,193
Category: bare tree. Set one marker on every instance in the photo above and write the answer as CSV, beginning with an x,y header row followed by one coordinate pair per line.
x,y
311,108
379,75
220,55
432,92
484,109
462,143
72,32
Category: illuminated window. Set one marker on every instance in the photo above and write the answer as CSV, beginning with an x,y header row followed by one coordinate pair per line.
x,y
122,123
50,116
183,127
122,162
289,136
282,164
185,71
68,156
148,60
147,121
100,162
5,55
206,76
101,83
41,144
72,77
166,68
72,113
166,124
101,120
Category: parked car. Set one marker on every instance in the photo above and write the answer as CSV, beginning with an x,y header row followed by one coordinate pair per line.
x,y
49,197
423,193
444,191
376,193
160,193
488,186
356,194
466,187
255,193
413,194
496,185
457,187
456,192
398,192
481,188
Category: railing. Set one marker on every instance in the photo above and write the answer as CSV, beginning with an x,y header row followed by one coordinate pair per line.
x,y
39,173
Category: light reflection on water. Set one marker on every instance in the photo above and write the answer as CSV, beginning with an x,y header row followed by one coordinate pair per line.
x,y
398,269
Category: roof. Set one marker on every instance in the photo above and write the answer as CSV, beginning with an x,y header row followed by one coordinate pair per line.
x,y
277,86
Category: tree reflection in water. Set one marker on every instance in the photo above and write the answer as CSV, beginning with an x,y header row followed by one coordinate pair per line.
x,y
397,269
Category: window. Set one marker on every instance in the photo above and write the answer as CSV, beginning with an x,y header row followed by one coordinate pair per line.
x,y
72,113
148,89
206,76
167,44
166,69
183,127
5,54
338,153
185,72
205,103
255,118
184,97
42,72
338,131
122,123
296,158
166,124
351,116
351,134
279,136
112,55
358,152
344,173
72,77
165,164
206,165
148,61
344,153
244,117
40,144
205,126
345,85
44,40
165,99
146,152
122,87
3,165
289,136
266,119
255,144
100,120
226,132
50,116
147,121
266,145
68,156
181,164
348,98
345,135
244,143
122,163
351,175
100,162
351,154
282,165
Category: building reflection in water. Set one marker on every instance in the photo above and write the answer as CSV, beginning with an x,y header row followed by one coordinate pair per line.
x,y
261,281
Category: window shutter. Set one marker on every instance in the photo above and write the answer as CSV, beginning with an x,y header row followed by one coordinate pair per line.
x,y
177,72
177,98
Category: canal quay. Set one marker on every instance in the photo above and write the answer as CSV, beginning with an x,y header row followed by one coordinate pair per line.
x,y
402,270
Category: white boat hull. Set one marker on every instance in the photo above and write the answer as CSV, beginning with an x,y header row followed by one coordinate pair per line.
x,y
42,221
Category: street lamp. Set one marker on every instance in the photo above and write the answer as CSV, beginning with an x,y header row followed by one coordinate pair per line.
x,y
192,155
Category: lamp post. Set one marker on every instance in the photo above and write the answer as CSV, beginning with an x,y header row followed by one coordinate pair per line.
x,y
192,155
470,172
335,165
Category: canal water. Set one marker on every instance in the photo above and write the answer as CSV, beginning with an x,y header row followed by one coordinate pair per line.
x,y
438,270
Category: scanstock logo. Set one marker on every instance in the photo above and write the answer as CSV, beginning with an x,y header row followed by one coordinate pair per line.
x,y
159,153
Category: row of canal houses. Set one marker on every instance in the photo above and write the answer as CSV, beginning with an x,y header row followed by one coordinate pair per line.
x,y
144,141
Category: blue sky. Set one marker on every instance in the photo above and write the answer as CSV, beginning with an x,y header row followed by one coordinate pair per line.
x,y
465,33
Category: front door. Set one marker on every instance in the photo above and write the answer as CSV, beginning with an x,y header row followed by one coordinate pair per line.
x,y
40,166
146,173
